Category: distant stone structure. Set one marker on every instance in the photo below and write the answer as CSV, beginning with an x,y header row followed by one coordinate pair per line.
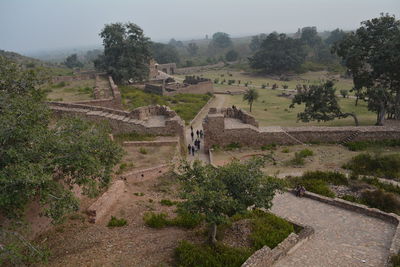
x,y
191,85
230,125
161,71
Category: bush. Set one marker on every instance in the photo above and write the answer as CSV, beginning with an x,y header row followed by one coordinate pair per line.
x,y
306,153
344,93
352,198
155,220
114,222
335,178
285,86
299,157
188,255
268,147
379,199
385,166
140,194
395,260
362,145
319,187
167,202
143,150
186,220
233,146
268,230
263,86
285,150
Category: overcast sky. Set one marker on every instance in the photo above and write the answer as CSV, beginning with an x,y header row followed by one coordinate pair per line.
x,y
31,25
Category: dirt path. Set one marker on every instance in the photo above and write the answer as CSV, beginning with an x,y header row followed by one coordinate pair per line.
x,y
217,102
342,238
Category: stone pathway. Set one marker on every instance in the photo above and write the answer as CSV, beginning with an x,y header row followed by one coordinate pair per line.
x,y
197,124
342,237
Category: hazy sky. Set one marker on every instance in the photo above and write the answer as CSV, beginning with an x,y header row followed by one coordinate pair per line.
x,y
30,25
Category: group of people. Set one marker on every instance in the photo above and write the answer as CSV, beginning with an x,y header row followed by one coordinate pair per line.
x,y
192,148
299,190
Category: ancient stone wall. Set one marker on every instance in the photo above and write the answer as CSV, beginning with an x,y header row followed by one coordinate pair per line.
x,y
190,70
225,126
199,88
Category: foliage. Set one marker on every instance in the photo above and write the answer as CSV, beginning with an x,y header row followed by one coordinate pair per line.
x,y
310,36
155,220
306,153
73,62
395,260
335,36
219,255
299,157
256,41
382,166
192,48
277,54
218,193
316,186
335,178
233,146
363,145
379,199
250,96
143,150
133,136
183,219
371,56
231,55
126,52
115,222
221,40
320,104
344,93
164,53
167,202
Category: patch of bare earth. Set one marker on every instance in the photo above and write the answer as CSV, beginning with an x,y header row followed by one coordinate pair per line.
x,y
238,235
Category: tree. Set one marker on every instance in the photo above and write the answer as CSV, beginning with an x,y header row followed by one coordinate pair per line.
x,y
372,56
344,93
231,55
250,96
43,163
175,43
219,193
126,52
320,104
334,37
256,41
309,36
221,40
278,54
73,62
192,48
164,53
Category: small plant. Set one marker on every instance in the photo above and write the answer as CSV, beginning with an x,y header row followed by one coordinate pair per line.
x,y
151,200
306,153
155,220
139,194
263,86
246,84
114,222
268,147
167,202
143,150
344,93
285,86
285,150
216,81
233,146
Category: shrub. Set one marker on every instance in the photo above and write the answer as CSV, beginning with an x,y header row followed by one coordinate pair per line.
x,y
335,178
114,222
306,153
233,146
186,220
193,255
317,186
143,150
216,81
263,86
268,147
285,86
268,230
285,150
362,145
299,157
395,260
384,186
352,198
379,199
140,194
155,220
387,166
167,202
344,93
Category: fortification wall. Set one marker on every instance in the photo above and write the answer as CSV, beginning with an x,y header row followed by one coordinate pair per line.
x,y
223,128
200,88
154,88
190,70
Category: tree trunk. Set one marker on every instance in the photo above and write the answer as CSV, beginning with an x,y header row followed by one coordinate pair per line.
x,y
397,106
251,104
213,233
381,116
356,100
354,117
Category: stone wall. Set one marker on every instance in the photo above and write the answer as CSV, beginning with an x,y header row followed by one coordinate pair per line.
x,y
161,89
156,120
223,127
190,70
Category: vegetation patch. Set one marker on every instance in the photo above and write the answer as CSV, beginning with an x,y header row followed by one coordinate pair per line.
x,y
299,157
133,136
363,145
183,219
167,202
233,146
115,222
387,166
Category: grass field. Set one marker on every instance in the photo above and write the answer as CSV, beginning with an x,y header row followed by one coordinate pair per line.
x,y
258,80
272,110
70,91
185,105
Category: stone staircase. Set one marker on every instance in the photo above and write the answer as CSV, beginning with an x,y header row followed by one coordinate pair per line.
x,y
350,137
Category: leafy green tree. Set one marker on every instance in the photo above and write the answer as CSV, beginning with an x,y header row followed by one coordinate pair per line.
x,y
320,104
164,53
175,43
43,163
219,193
231,55
250,96
192,48
371,55
309,36
73,62
256,41
335,36
126,52
344,93
278,54
221,40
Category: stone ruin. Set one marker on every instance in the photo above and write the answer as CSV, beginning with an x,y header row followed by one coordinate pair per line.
x,y
191,85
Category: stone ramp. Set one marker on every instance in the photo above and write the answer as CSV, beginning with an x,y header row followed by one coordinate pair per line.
x,y
342,237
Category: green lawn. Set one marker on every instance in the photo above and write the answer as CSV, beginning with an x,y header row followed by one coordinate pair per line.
x,y
272,110
185,105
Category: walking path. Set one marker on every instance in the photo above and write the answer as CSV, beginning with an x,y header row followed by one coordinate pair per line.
x,y
197,124
341,238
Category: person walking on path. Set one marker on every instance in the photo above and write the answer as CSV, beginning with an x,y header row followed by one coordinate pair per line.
x,y
191,128
198,143
192,134
197,133
189,148
193,149
201,134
